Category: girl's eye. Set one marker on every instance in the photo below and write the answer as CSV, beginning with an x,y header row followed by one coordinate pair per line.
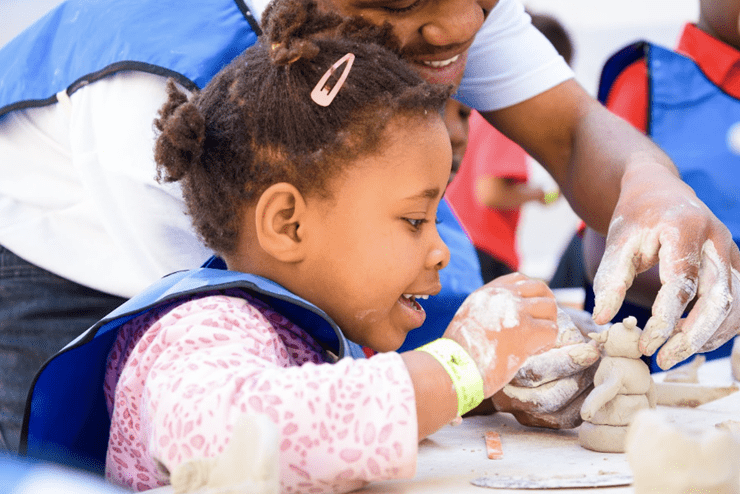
x,y
437,221
400,10
416,223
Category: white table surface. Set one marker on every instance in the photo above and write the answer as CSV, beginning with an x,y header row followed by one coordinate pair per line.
x,y
453,457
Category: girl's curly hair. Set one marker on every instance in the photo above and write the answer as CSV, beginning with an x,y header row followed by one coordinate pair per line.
x,y
255,123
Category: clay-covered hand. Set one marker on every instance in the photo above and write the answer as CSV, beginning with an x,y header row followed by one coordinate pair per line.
x,y
659,218
503,323
550,387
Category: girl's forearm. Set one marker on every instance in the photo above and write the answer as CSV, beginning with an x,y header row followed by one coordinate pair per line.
x,y
436,400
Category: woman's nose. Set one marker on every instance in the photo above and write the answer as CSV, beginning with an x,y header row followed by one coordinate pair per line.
x,y
454,21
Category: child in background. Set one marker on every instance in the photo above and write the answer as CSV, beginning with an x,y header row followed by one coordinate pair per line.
x,y
457,120
313,165
688,102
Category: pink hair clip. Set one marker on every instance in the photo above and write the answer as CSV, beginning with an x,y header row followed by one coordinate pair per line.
x,y
321,95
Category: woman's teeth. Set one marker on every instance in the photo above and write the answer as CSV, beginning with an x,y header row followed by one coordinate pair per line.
x,y
442,63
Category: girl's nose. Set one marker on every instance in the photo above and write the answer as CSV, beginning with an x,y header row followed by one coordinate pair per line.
x,y
439,254
454,21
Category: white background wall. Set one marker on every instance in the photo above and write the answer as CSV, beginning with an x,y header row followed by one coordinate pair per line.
x,y
598,28
15,15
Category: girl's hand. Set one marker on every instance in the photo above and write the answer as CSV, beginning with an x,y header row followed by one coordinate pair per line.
x,y
550,387
503,323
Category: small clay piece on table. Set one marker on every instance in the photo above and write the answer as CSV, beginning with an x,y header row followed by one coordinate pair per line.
x,y
731,426
690,395
493,446
687,373
622,387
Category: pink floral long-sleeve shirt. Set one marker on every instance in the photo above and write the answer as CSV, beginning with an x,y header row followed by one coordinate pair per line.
x,y
179,378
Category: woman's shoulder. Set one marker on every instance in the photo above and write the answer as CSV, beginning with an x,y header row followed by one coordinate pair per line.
x,y
510,61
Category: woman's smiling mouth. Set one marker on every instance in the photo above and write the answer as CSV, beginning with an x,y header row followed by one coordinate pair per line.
x,y
442,63
445,71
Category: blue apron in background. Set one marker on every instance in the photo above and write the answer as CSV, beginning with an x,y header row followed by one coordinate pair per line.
x,y
698,126
694,122
81,41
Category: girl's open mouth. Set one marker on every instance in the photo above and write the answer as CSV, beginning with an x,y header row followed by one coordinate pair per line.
x,y
409,300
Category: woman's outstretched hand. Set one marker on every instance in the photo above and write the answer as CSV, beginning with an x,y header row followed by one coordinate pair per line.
x,y
658,218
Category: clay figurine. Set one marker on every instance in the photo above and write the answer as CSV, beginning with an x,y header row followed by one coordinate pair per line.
x,y
622,387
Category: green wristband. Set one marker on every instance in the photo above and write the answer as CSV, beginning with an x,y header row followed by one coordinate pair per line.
x,y
462,370
552,196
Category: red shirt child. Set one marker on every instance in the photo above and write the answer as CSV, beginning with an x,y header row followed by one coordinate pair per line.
x,y
488,153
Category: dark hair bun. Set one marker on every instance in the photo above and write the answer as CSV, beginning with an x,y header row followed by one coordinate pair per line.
x,y
287,53
182,134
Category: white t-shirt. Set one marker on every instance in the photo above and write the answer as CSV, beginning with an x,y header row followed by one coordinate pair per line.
x,y
78,195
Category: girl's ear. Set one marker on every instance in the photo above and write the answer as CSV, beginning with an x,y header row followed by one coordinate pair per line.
x,y
278,215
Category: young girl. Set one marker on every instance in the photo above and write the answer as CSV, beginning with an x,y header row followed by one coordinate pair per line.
x,y
313,165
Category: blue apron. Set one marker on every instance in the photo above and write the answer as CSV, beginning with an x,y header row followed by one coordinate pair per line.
x,y
66,419
81,41
692,120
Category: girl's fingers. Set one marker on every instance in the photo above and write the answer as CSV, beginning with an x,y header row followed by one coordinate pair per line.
x,y
541,308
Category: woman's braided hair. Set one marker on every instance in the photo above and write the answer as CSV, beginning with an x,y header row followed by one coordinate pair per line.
x,y
255,123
